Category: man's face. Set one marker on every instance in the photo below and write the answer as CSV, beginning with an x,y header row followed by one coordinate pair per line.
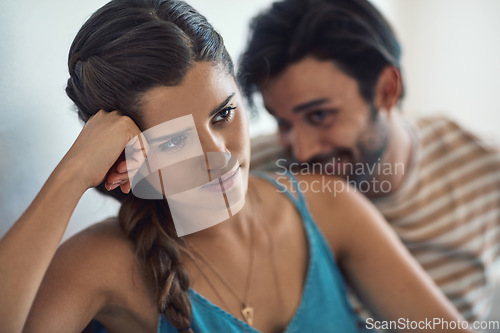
x,y
322,117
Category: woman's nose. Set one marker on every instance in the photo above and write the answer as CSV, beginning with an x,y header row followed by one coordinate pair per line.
x,y
216,154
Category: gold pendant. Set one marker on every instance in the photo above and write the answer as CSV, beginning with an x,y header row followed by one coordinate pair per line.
x,y
247,313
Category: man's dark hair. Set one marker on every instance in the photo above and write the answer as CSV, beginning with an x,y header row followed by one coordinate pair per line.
x,y
351,33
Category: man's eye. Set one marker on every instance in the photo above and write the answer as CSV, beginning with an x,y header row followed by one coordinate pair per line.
x,y
320,117
224,115
174,145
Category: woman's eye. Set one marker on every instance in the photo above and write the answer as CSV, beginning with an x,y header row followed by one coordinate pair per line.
x,y
224,115
174,145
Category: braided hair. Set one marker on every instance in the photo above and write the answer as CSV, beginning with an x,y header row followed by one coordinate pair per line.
x,y
123,50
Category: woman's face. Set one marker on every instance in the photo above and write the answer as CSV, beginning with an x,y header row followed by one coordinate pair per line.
x,y
197,126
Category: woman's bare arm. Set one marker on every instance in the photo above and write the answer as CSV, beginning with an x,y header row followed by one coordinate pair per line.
x,y
94,274
377,265
29,246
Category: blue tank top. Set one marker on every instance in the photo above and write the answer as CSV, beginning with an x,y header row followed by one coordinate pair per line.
x,y
323,306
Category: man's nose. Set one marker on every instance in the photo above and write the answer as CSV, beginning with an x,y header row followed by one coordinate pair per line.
x,y
305,145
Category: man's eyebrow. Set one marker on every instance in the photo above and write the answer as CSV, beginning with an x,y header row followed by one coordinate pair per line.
x,y
310,104
221,105
169,136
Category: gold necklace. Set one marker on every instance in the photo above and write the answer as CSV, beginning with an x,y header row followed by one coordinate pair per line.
x,y
247,311
275,273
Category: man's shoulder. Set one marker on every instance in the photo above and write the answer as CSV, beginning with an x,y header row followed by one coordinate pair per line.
x,y
447,132
440,124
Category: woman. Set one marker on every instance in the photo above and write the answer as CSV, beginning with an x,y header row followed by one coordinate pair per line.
x,y
262,269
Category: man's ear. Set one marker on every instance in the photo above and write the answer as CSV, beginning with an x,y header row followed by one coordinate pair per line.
x,y
389,88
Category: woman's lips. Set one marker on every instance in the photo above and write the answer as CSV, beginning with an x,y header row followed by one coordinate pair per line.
x,y
227,181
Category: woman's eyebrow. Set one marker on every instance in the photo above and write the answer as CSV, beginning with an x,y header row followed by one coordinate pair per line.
x,y
169,136
221,105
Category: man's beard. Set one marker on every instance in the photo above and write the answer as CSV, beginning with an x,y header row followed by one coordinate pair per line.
x,y
363,166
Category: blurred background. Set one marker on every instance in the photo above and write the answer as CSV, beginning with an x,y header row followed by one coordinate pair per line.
x,y
450,65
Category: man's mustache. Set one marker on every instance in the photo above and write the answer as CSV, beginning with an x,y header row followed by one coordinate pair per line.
x,y
330,157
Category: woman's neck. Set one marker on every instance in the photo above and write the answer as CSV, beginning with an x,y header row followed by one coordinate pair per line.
x,y
235,228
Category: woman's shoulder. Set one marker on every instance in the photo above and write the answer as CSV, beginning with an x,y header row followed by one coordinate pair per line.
x,y
104,233
103,252
325,190
98,246
94,274
101,262
335,206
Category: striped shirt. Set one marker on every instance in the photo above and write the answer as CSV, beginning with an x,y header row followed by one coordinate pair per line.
x,y
446,211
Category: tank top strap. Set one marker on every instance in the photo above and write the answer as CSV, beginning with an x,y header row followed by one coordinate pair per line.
x,y
297,201
324,287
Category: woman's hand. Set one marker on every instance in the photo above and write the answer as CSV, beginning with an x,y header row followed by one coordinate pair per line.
x,y
127,165
99,147
28,247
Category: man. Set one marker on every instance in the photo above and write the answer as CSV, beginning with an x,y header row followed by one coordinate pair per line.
x,y
329,72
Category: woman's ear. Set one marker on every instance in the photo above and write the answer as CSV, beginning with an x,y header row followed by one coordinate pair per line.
x,y
389,88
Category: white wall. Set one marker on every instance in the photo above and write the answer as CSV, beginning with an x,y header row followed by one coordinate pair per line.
x,y
450,60
37,123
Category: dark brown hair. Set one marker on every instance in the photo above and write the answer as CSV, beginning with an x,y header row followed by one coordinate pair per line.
x,y
351,33
124,49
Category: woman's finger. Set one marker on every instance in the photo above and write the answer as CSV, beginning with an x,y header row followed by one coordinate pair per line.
x,y
125,187
115,177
